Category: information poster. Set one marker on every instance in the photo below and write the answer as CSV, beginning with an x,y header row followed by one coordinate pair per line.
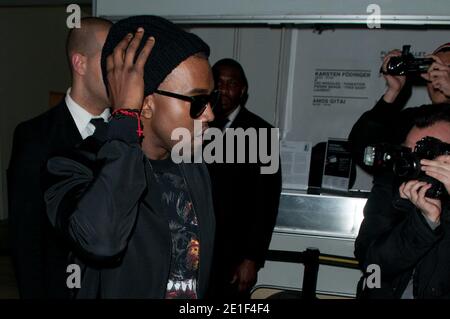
x,y
333,87
295,164
337,165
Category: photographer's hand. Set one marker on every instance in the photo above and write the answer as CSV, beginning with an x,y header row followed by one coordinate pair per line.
x,y
439,75
439,168
415,191
395,83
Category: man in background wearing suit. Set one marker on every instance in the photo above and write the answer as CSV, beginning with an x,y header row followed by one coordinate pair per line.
x,y
245,201
39,254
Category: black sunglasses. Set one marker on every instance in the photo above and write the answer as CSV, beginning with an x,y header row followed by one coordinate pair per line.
x,y
198,102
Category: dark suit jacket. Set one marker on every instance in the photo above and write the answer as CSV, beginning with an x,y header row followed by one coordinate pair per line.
x,y
39,254
245,203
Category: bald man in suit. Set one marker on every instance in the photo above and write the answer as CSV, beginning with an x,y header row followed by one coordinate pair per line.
x,y
39,254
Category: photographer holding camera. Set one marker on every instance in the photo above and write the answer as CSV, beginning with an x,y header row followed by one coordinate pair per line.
x,y
386,122
405,232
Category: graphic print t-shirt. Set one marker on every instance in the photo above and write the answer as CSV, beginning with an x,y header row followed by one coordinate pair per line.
x,y
177,204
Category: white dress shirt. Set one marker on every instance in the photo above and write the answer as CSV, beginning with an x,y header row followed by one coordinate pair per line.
x,y
82,117
232,117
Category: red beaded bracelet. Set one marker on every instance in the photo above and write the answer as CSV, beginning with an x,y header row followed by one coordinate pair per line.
x,y
131,113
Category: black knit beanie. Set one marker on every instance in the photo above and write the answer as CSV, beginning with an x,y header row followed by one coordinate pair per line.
x,y
172,46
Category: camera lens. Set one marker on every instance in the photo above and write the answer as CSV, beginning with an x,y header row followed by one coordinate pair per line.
x,y
396,66
406,167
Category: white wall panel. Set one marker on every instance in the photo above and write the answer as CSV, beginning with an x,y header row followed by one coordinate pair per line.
x,y
220,39
259,54
301,11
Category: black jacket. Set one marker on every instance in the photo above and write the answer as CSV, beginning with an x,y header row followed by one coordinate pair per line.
x,y
39,254
396,236
104,198
245,203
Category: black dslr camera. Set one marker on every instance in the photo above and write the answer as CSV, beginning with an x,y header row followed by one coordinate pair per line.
x,y
406,163
407,64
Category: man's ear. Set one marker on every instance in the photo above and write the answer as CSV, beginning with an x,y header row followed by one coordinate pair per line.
x,y
79,63
148,107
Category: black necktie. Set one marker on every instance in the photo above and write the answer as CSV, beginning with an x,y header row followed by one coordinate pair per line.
x,y
100,125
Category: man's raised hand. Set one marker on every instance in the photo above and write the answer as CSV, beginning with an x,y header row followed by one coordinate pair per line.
x,y
125,74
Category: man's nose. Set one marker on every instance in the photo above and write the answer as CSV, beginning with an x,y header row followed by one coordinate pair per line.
x,y
222,88
208,115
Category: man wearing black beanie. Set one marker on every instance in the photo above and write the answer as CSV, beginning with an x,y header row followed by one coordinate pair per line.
x,y
141,225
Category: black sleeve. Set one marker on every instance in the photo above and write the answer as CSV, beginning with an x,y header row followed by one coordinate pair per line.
x,y
26,213
95,203
265,190
269,189
377,125
390,238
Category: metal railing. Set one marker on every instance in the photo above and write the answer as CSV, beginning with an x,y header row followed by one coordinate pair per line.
x,y
311,258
